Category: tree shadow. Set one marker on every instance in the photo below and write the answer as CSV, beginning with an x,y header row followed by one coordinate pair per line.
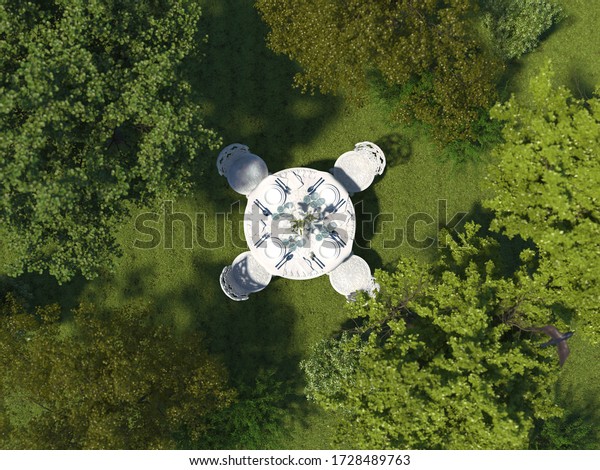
x,y
43,289
246,90
579,83
248,333
254,340
507,85
369,223
397,149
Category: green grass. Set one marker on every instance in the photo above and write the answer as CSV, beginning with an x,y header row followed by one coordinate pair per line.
x,y
572,46
248,98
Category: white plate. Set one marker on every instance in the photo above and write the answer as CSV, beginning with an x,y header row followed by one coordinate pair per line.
x,y
329,249
274,248
274,196
330,193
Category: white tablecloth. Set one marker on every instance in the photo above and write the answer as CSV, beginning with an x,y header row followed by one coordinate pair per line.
x,y
299,223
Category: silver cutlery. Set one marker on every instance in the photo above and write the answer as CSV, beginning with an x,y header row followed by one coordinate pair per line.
x,y
339,205
318,261
299,178
314,187
282,185
308,262
264,210
284,260
262,239
337,238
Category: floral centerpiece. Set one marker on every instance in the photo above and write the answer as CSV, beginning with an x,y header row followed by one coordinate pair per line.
x,y
301,220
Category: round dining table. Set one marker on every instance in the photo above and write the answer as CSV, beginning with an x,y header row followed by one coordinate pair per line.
x,y
300,223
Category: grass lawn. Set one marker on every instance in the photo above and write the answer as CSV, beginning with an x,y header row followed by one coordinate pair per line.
x,y
248,98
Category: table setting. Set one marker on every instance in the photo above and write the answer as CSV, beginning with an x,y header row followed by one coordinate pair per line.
x,y
299,223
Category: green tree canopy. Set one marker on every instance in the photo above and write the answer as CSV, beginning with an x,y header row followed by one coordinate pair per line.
x,y
440,363
516,25
103,382
94,117
427,47
546,188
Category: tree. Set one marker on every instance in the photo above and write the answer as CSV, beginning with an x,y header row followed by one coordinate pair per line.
x,y
428,48
545,188
441,365
112,382
94,118
516,25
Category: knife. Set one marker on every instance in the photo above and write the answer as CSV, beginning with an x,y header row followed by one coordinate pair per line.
x,y
314,187
284,260
339,205
282,185
264,210
262,239
337,238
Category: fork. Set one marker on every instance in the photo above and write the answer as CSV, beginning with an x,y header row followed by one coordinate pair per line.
x,y
282,185
262,239
264,210
314,187
337,238
339,205
318,261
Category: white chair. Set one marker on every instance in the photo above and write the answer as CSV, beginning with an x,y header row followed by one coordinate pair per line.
x,y
353,275
228,155
244,277
243,170
356,169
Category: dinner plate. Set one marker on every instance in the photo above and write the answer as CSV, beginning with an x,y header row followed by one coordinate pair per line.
x,y
330,193
274,196
329,249
274,248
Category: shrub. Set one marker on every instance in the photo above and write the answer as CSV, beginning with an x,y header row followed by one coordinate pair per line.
x,y
575,431
516,25
255,420
329,366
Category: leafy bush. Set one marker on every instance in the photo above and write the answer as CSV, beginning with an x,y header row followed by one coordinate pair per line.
x,y
104,381
545,181
330,364
255,420
516,25
572,432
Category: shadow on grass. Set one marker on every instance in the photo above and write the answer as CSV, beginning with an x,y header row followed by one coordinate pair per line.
x,y
43,289
246,89
577,430
579,84
253,340
397,149
369,222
